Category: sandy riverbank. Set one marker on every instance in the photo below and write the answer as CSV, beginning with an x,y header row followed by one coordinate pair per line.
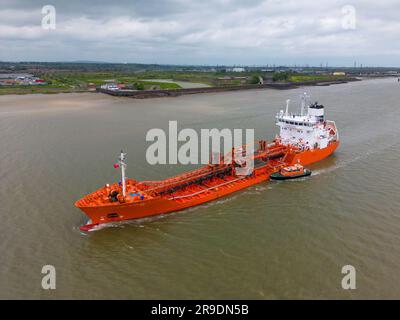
x,y
51,102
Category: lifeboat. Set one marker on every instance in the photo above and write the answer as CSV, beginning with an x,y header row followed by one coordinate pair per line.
x,y
292,172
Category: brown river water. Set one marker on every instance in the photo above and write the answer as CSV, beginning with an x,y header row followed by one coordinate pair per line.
x,y
276,240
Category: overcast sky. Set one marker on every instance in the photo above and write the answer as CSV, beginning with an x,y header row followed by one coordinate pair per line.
x,y
234,32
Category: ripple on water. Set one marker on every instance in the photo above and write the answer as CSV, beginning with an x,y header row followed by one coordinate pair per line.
x,y
274,240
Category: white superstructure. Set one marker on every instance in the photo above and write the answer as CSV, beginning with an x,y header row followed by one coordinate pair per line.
x,y
307,129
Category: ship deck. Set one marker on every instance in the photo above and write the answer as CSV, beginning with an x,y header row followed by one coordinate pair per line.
x,y
195,184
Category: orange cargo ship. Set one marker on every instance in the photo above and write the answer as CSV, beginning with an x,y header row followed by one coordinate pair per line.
x,y
304,138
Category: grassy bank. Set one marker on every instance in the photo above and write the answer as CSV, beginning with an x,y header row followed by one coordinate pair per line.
x,y
71,81
86,79
45,89
62,82
322,78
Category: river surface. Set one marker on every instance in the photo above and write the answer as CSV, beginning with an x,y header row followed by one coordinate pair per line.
x,y
276,240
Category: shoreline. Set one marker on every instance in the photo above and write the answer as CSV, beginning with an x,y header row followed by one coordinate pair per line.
x,y
140,94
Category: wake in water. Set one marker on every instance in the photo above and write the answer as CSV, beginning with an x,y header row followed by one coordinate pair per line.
x,y
357,157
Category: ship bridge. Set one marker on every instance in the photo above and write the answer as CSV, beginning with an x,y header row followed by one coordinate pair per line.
x,y
307,129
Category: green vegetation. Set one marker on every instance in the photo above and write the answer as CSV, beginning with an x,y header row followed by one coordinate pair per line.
x,y
255,79
295,77
305,78
280,77
83,77
139,86
44,89
161,85
73,81
58,82
82,80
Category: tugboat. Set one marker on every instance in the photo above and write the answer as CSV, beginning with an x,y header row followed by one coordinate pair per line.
x,y
292,172
304,138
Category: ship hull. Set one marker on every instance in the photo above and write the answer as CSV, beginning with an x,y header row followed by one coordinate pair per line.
x,y
162,205
157,206
308,157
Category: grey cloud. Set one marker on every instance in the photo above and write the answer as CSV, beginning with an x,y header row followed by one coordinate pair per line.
x,y
202,32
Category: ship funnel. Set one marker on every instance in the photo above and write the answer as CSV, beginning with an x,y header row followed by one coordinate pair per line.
x,y
317,110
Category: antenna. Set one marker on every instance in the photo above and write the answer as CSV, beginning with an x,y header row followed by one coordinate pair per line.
x,y
122,162
287,107
303,103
